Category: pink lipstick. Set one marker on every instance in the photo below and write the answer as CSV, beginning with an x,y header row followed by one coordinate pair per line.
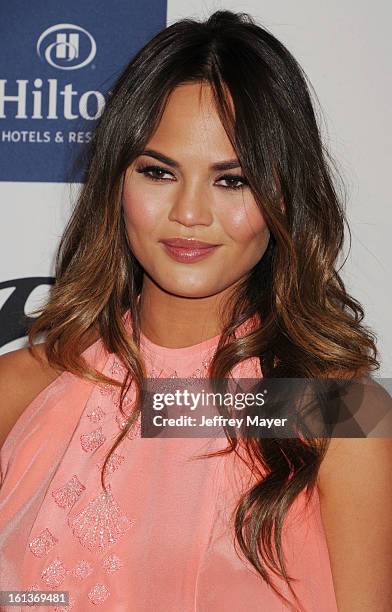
x,y
187,250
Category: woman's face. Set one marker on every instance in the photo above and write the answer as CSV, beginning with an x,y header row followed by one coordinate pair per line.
x,y
191,199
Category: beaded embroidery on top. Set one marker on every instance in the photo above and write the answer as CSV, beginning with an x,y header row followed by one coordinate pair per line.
x,y
41,545
66,496
92,440
112,563
82,569
96,414
101,523
54,574
98,593
114,462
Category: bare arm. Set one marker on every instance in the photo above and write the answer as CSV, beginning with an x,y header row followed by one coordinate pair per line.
x,y
355,486
22,378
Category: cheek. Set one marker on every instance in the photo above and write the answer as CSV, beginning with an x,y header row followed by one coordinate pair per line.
x,y
140,210
243,223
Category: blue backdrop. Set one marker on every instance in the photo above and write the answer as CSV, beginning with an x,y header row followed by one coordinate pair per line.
x,y
58,62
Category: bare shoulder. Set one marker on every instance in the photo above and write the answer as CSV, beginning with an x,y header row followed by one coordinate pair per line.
x,y
367,405
24,373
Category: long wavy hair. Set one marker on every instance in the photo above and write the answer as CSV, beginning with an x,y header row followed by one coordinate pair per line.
x,y
311,327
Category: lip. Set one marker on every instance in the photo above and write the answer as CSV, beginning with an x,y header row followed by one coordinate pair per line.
x,y
188,243
188,250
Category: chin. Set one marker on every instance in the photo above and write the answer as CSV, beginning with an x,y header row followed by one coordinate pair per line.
x,y
188,290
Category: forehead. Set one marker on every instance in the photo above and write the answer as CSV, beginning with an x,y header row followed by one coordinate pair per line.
x,y
190,124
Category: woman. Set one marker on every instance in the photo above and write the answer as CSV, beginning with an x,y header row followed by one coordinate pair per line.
x,y
209,136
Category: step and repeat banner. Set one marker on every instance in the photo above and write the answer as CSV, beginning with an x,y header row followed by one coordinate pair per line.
x,y
58,61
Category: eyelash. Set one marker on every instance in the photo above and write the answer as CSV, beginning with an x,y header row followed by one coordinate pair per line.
x,y
232,177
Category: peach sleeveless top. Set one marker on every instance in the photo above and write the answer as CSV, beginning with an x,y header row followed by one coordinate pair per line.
x,y
162,539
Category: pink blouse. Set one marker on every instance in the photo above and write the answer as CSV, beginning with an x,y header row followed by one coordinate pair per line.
x,y
162,538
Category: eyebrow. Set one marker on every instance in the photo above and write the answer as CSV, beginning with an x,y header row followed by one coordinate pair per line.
x,y
217,166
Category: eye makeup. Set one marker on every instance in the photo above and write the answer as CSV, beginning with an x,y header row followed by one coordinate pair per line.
x,y
148,170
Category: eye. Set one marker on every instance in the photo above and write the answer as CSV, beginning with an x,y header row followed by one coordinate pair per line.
x,y
152,171
147,170
234,178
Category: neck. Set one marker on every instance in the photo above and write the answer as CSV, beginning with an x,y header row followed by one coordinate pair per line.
x,y
176,322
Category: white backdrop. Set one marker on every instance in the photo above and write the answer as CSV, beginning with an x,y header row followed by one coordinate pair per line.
x,y
345,49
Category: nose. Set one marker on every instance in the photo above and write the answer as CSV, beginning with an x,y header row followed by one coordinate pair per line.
x,y
191,206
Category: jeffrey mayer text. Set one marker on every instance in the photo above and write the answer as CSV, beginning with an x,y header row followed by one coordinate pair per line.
x,y
219,420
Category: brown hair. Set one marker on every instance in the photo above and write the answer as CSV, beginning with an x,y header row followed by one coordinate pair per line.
x,y
311,327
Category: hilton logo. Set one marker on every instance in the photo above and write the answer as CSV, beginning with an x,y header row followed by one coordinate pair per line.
x,y
61,46
65,47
